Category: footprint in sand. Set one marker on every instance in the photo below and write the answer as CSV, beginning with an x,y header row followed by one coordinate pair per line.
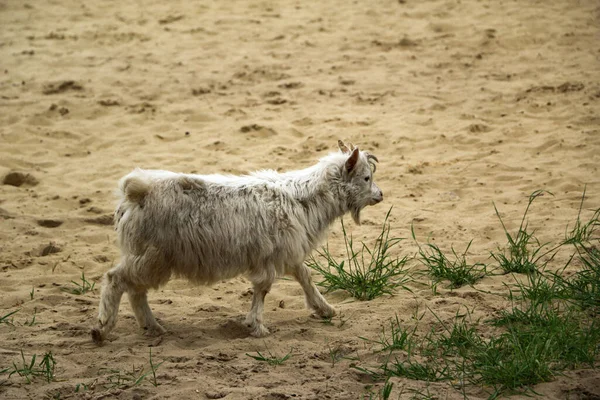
x,y
258,131
479,128
109,103
49,223
290,85
61,87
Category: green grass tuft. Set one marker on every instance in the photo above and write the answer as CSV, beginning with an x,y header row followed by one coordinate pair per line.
x,y
583,287
524,252
116,378
270,359
508,363
430,371
457,339
366,273
583,233
29,370
80,288
4,319
396,338
455,269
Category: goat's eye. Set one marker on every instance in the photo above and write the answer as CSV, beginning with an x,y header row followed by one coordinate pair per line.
x,y
367,178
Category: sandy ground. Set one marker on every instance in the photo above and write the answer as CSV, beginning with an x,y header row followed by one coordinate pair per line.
x,y
464,102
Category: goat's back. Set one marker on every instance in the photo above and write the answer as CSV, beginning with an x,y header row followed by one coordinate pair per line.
x,y
207,228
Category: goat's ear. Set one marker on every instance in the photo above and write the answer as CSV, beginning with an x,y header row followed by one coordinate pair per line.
x,y
352,160
343,147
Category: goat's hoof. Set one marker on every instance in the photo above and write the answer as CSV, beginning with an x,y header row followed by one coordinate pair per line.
x,y
97,336
153,331
327,312
259,331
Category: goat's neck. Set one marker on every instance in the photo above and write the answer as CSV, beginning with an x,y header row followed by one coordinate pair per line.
x,y
318,191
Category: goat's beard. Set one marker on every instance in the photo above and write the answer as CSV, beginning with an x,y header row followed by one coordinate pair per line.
x,y
355,212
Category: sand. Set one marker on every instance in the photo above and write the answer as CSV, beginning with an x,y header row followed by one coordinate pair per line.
x,y
465,103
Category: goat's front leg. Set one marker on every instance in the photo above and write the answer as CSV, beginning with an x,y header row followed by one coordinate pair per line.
x,y
112,291
314,299
254,320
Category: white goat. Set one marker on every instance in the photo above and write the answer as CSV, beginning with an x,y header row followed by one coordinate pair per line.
x,y
211,227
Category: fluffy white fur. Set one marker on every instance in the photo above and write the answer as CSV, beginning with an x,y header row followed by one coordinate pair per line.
x,y
207,228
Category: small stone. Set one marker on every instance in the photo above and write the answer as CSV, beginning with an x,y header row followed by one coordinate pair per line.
x,y
50,248
19,178
215,395
209,308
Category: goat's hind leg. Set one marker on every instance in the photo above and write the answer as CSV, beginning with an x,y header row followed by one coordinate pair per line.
x,y
139,303
314,299
112,291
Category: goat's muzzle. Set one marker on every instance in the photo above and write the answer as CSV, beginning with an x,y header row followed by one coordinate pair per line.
x,y
378,198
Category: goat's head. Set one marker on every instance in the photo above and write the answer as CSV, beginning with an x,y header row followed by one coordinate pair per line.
x,y
357,177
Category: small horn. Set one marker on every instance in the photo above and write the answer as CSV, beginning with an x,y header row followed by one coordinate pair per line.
x,y
372,157
352,147
372,160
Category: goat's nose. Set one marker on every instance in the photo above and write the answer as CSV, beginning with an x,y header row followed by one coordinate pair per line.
x,y
378,198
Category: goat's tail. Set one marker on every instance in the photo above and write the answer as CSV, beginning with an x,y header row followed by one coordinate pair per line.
x,y
134,187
